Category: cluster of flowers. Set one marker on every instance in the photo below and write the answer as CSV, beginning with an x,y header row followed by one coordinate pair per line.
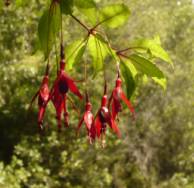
x,y
96,126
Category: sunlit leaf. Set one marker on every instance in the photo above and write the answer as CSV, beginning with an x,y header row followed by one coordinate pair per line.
x,y
114,15
48,28
74,52
130,66
98,53
145,66
88,9
161,81
107,46
154,47
129,80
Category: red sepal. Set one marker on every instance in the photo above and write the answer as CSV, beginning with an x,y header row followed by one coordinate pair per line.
x,y
98,126
71,85
128,103
58,95
115,99
80,124
116,108
58,102
43,97
88,119
103,118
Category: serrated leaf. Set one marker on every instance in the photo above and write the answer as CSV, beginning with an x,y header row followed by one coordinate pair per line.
x,y
154,47
160,81
106,44
98,53
131,67
91,14
74,52
88,9
66,6
145,66
114,15
48,28
129,80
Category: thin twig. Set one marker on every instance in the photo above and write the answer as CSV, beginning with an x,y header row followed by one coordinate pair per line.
x,y
82,24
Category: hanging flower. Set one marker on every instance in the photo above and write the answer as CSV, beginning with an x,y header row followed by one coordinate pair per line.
x,y
116,97
103,118
59,102
43,97
88,119
62,85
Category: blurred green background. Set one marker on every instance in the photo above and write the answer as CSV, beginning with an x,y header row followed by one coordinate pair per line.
x,y
156,151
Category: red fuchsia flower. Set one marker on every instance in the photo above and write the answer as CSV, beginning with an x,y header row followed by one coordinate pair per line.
x,y
59,102
103,118
58,94
116,97
43,96
88,119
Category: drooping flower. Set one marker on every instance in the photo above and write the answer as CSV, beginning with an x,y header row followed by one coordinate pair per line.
x,y
88,119
59,102
43,96
116,97
103,118
58,94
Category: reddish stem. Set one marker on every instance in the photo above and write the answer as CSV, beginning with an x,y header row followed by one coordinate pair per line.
x,y
62,52
81,23
105,87
87,97
47,69
130,48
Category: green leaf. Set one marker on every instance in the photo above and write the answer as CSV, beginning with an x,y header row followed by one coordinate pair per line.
x,y
131,67
98,53
88,9
106,44
129,80
157,40
145,66
85,4
48,27
114,15
161,81
154,47
66,6
20,3
74,52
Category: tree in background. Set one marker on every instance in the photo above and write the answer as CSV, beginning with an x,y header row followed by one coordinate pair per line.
x,y
155,152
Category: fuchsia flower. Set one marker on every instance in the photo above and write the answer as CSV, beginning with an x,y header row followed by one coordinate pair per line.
x,y
103,118
88,119
116,97
43,96
58,94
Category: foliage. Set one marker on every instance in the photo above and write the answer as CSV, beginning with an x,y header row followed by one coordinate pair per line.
x,y
155,151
